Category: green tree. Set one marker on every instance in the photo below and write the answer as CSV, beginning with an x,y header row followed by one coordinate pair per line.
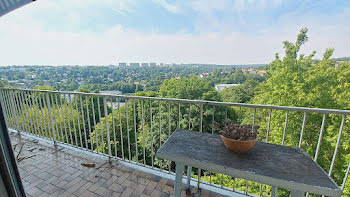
x,y
240,94
296,80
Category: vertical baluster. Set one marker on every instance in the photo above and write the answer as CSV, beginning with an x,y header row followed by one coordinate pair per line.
x,y
8,108
160,125
15,111
267,140
121,130
83,119
160,129
20,110
200,130
320,137
37,109
285,128
37,128
151,118
2,101
94,118
66,96
260,190
337,145
345,177
239,115
31,123
212,131
88,120
143,133
302,130
43,112
78,120
4,106
268,127
24,97
225,113
189,118
179,120
113,124
107,130
99,116
254,119
50,117
213,120
169,128
135,131
72,113
127,127
34,117
63,118
246,182
57,134
26,112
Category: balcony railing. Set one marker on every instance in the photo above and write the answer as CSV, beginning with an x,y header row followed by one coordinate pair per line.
x,y
132,128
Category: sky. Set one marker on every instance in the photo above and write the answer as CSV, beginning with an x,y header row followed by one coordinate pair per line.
x,y
104,32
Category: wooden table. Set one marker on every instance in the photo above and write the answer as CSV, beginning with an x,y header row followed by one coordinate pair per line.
x,y
275,165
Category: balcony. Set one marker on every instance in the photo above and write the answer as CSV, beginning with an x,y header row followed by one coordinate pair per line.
x,y
81,144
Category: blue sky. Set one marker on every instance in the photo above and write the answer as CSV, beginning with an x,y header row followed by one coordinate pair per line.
x,y
85,32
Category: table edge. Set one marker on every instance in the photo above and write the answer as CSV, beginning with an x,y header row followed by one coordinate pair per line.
x,y
254,177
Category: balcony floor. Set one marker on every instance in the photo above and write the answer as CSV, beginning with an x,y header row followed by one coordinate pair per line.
x,y
46,171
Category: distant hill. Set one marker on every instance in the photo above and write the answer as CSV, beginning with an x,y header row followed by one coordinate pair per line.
x,y
342,59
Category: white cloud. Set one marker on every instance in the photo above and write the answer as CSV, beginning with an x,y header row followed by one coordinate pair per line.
x,y
170,7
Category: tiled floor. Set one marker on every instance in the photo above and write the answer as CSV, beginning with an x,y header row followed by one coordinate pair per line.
x,y
47,171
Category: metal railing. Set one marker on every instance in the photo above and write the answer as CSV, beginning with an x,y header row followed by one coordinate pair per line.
x,y
132,128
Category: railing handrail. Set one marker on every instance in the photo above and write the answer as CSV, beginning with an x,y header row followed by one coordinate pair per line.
x,y
200,102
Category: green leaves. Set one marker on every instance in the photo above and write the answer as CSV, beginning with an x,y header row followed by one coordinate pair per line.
x,y
305,82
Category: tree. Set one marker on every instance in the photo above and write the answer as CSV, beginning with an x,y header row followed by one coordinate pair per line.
x,y
240,94
296,80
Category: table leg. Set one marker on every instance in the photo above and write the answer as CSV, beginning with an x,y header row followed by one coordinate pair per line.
x,y
178,179
189,170
295,193
273,191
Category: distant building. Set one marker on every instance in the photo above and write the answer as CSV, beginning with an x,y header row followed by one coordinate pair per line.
x,y
152,64
144,64
220,87
261,72
204,75
251,71
117,92
134,64
122,65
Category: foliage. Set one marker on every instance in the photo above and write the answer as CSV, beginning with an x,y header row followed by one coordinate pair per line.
x,y
296,80
240,94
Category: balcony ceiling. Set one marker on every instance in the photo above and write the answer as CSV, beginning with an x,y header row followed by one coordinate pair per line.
x,y
7,6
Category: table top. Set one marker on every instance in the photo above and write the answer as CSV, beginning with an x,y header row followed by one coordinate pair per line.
x,y
276,165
